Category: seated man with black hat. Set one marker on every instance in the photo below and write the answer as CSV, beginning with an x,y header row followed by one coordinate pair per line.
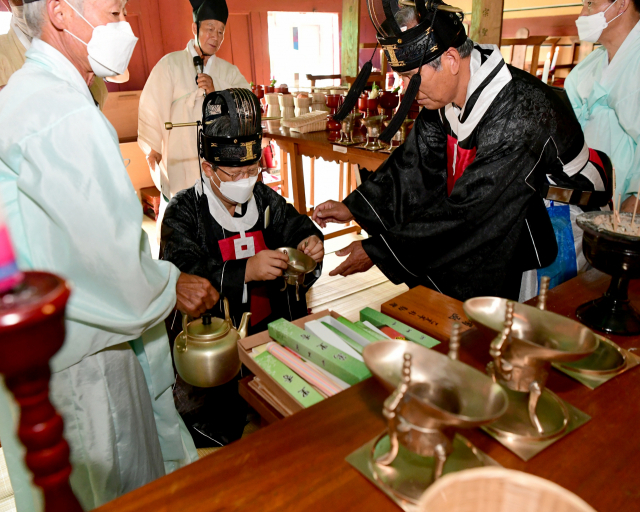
x,y
459,206
174,92
226,228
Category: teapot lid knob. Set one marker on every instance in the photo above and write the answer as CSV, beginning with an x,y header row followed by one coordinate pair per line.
x,y
206,319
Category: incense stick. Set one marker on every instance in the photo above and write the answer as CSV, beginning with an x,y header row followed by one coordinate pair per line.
x,y
619,206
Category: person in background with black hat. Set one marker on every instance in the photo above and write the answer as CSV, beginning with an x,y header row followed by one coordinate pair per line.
x,y
459,207
174,92
226,228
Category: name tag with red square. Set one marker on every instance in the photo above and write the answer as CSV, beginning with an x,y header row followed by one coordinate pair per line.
x,y
240,247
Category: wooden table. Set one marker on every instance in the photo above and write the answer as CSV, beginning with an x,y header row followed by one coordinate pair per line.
x,y
316,145
298,463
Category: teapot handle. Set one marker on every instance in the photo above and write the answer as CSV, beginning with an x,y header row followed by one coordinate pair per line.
x,y
227,315
185,323
181,342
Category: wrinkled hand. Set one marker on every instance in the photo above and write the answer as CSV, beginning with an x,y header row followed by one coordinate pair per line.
x,y
313,247
205,82
629,204
195,295
154,158
331,211
265,266
358,260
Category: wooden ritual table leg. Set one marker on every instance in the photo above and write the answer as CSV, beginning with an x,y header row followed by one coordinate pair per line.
x,y
284,172
354,176
297,177
312,198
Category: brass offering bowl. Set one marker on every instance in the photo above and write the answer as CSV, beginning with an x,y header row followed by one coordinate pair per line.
x,y
607,359
433,396
348,124
618,255
374,129
299,265
526,341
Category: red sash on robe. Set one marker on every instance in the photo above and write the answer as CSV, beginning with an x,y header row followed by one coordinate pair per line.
x,y
463,158
232,250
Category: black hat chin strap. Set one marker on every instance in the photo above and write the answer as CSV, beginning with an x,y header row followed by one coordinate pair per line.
x,y
356,89
403,110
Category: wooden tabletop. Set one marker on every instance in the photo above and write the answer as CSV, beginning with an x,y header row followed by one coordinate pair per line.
x,y
317,144
298,463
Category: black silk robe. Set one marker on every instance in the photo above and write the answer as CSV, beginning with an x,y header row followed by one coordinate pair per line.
x,y
194,242
478,238
197,244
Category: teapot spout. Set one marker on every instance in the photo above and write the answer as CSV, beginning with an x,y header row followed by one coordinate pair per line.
x,y
244,325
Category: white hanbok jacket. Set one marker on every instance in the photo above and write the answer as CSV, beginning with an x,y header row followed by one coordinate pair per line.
x,y
171,94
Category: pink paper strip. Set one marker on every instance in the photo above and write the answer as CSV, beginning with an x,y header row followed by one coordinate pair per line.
x,y
309,374
10,275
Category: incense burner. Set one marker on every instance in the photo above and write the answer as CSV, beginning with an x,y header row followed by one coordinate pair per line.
x,y
618,255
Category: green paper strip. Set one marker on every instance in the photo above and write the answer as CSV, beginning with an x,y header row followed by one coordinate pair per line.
x,y
370,331
295,385
323,354
357,329
381,320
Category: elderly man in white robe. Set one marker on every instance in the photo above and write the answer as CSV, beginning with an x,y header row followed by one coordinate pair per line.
x,y
72,210
175,91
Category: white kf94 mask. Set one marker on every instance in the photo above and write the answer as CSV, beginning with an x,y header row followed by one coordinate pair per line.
x,y
110,47
237,191
590,27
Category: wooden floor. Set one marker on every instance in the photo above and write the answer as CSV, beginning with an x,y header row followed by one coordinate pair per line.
x,y
348,295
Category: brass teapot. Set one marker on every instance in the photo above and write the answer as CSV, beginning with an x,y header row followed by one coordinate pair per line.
x,y
206,351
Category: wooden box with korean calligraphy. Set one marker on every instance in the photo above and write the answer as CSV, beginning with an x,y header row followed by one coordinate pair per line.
x,y
428,311
268,388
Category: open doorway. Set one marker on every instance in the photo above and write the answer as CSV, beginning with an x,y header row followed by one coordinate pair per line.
x,y
303,43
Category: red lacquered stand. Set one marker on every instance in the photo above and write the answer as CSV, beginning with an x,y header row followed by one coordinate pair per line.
x,y
31,332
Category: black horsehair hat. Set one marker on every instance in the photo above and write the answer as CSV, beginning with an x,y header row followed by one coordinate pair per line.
x,y
436,27
244,144
209,10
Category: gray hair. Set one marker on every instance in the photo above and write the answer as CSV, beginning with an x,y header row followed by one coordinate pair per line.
x,y
35,14
407,17
464,50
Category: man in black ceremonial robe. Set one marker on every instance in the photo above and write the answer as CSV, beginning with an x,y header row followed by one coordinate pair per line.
x,y
459,206
226,228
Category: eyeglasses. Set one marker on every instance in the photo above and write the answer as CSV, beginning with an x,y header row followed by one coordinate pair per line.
x,y
236,176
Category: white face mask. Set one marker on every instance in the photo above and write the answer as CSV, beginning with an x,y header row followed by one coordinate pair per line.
x,y
110,47
590,27
237,191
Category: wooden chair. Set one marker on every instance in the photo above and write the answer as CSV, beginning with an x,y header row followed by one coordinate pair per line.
x,y
535,41
383,56
379,78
